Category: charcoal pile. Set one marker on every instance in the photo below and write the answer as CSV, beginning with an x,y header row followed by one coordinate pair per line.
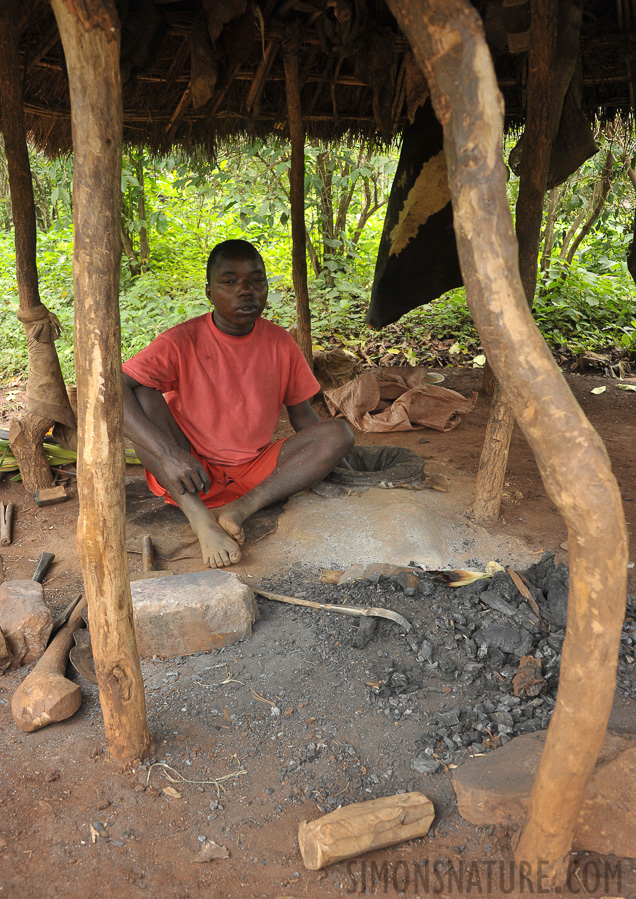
x,y
479,665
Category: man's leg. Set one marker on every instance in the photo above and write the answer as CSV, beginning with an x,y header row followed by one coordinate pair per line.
x,y
217,546
305,459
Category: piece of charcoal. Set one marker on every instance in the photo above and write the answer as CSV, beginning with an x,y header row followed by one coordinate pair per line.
x,y
502,583
364,632
494,601
448,718
425,653
505,638
557,594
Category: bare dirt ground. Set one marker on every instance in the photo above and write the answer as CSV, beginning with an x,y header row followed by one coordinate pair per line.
x,y
305,714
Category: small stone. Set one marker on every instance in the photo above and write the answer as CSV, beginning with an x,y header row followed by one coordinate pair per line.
x,y
424,764
25,621
102,804
188,613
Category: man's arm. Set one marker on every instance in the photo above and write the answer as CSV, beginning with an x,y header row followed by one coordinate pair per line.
x,y
179,465
302,416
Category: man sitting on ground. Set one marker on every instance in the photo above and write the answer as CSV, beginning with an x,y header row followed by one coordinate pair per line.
x,y
202,401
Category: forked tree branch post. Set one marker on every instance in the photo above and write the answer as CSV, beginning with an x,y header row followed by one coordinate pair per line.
x,y
297,198
90,35
449,45
45,377
554,32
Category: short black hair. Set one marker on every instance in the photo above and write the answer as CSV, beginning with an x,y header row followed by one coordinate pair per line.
x,y
231,249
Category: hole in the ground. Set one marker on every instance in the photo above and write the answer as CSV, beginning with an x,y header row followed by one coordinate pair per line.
x,y
375,465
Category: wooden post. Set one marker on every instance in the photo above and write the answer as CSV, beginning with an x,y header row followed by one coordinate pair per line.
x,y
550,66
26,433
90,35
297,198
450,47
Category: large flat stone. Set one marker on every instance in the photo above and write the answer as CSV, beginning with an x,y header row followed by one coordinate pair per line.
x,y
495,789
25,620
187,613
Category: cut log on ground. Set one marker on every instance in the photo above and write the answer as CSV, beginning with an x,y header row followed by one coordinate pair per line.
x,y
90,35
363,826
449,45
6,523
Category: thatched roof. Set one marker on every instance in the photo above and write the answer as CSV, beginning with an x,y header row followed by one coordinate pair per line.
x,y
197,72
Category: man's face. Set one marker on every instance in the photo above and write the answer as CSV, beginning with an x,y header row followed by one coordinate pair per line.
x,y
238,292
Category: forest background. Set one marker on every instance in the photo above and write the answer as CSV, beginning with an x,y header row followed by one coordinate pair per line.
x,y
175,208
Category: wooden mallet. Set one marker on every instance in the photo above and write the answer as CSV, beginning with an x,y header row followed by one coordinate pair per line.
x,y
46,696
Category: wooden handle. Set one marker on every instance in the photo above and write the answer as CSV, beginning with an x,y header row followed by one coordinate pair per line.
x,y
147,554
55,656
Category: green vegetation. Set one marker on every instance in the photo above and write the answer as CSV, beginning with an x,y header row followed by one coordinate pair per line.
x,y
174,210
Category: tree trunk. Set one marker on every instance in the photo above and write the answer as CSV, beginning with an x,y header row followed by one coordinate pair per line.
x,y
450,47
129,250
631,255
548,234
46,395
297,201
90,35
325,213
144,245
605,185
547,86
313,256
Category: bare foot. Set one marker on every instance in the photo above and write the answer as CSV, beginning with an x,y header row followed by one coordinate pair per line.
x,y
231,519
217,547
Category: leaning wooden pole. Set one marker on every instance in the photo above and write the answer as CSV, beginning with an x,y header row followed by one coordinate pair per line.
x,y
90,35
550,66
449,45
297,199
46,395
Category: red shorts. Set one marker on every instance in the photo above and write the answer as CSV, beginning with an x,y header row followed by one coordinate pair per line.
x,y
229,482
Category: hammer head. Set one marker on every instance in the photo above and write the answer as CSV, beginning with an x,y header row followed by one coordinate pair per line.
x,y
44,699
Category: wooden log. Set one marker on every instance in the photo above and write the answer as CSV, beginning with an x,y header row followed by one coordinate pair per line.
x,y
449,45
362,827
297,199
90,35
551,59
6,522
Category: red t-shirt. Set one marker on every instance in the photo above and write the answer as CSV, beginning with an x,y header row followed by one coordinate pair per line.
x,y
225,392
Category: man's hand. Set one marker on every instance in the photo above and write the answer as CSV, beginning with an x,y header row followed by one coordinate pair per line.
x,y
185,471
